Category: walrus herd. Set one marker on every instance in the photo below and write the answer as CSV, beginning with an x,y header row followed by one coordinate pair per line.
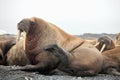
x,y
45,47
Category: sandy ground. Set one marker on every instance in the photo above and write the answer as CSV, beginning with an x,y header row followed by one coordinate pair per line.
x,y
7,74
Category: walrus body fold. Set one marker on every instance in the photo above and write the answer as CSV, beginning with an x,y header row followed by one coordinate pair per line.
x,y
40,33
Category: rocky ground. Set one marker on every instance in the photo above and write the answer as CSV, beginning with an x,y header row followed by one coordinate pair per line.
x,y
7,74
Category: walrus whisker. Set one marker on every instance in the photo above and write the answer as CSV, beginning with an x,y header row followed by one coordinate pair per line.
x,y
103,47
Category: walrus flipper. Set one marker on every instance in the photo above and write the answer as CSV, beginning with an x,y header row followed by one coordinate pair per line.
x,y
59,53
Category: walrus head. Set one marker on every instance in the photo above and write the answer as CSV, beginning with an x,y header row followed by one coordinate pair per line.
x,y
25,25
105,43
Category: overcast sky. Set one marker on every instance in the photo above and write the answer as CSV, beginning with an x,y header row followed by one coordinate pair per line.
x,y
73,16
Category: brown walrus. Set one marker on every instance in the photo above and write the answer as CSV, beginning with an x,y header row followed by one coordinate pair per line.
x,y
111,56
111,63
118,39
40,33
15,55
4,48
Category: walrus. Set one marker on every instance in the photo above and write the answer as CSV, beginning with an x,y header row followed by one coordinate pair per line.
x,y
111,63
7,37
92,41
118,39
40,33
16,55
105,43
4,48
78,63
111,53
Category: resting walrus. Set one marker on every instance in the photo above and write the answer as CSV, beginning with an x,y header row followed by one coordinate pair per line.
x,y
111,54
5,46
111,64
40,33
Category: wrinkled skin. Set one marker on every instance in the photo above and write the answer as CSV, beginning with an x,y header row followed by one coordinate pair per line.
x,y
40,33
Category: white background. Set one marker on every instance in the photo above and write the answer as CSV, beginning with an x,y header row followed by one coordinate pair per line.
x,y
73,16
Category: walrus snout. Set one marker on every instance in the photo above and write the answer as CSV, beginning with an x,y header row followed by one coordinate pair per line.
x,y
105,40
24,25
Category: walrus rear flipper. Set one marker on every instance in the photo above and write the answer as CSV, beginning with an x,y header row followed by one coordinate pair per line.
x,y
59,53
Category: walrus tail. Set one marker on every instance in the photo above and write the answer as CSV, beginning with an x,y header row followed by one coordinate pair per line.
x,y
60,53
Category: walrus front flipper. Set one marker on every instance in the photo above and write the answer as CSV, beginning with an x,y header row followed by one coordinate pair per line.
x,y
59,53
41,68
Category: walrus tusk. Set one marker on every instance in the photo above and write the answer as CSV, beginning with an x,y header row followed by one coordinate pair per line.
x,y
24,40
97,43
18,36
102,48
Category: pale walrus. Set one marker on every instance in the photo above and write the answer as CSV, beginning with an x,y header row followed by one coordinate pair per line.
x,y
40,33
16,55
